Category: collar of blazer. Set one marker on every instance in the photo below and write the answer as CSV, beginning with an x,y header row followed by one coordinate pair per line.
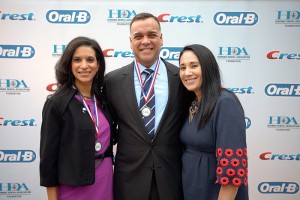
x,y
65,96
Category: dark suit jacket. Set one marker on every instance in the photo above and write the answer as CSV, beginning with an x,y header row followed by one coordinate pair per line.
x,y
67,147
137,156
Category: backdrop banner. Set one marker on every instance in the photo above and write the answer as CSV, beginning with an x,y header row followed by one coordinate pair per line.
x,y
256,44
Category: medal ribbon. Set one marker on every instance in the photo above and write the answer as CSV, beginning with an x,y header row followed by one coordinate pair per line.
x,y
139,75
96,121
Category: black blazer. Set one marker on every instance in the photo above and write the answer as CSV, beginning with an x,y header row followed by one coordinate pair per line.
x,y
67,145
137,156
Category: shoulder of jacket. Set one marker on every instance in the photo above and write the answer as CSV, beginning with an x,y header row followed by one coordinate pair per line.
x,y
171,67
62,99
117,72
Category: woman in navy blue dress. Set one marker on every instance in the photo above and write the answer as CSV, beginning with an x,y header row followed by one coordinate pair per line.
x,y
214,134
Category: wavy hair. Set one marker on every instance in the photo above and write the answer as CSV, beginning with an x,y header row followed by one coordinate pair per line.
x,y
63,69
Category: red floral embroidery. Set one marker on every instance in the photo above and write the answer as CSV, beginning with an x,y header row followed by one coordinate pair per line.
x,y
229,152
230,172
224,162
239,152
245,152
244,162
219,152
220,170
232,164
245,181
241,172
236,182
224,181
235,162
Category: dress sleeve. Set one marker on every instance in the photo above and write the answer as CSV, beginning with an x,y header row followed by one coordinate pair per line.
x,y
49,144
231,147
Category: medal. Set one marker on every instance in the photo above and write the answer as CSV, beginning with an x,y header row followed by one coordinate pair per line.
x,y
146,111
94,119
98,146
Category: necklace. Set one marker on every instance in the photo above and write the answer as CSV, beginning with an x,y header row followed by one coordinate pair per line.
x,y
193,109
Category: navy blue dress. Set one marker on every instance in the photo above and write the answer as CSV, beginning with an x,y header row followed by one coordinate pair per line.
x,y
216,154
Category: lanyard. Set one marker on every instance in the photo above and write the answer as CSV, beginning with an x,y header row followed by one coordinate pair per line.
x,y
139,75
96,121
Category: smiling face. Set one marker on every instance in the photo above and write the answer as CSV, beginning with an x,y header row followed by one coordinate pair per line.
x,y
84,66
145,41
190,72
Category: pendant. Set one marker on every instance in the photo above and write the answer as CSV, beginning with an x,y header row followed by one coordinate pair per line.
x,y
98,146
146,111
193,110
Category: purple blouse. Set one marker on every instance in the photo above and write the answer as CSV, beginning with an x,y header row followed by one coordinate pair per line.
x,y
102,189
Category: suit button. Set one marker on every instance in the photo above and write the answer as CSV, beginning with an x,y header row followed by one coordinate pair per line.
x,y
151,168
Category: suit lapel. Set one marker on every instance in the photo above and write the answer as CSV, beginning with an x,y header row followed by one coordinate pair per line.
x,y
173,84
130,97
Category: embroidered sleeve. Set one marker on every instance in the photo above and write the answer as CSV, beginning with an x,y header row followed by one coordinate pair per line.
x,y
231,146
232,166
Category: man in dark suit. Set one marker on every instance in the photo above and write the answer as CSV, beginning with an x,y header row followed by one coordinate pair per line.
x,y
148,162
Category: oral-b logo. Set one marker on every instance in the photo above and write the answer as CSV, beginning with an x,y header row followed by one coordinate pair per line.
x,y
277,89
236,18
68,16
16,51
247,122
170,53
17,156
278,187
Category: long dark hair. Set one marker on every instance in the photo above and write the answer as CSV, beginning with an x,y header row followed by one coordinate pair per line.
x,y
211,80
63,69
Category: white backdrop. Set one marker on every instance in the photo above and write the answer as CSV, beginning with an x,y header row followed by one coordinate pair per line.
x,y
256,44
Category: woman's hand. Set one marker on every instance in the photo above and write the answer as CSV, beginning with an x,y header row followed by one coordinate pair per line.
x,y
228,192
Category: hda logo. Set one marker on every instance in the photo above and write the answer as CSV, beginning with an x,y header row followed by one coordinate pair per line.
x,y
120,16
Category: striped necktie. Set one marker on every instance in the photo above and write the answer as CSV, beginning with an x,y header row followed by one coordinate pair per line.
x,y
147,109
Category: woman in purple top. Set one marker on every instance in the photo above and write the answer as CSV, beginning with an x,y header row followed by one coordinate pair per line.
x,y
76,132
